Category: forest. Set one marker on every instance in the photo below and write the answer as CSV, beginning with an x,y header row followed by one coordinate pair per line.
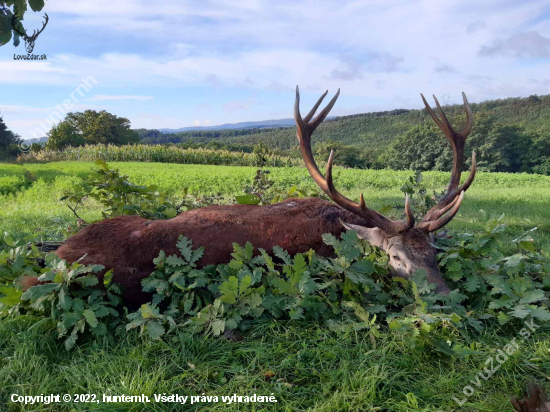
x,y
509,135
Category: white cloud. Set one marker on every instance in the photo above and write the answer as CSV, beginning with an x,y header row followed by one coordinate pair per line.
x,y
239,105
382,52
520,45
20,109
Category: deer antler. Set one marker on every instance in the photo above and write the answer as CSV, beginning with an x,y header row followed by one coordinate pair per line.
x,y
24,35
35,34
435,219
304,130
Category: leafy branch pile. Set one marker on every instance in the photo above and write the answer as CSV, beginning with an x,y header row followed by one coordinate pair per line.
x,y
263,192
351,291
119,196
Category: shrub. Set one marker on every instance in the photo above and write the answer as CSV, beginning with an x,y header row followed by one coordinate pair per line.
x,y
351,291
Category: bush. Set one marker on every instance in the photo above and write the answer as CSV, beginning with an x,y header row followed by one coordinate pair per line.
x,y
351,291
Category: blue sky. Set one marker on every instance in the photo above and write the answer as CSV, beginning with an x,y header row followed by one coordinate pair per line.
x,y
179,63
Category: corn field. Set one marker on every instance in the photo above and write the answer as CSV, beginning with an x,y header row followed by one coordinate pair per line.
x,y
158,154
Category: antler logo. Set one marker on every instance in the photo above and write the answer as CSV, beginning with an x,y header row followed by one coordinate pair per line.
x,y
29,40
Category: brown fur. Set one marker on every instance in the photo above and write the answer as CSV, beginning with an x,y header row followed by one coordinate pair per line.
x,y
128,244
29,281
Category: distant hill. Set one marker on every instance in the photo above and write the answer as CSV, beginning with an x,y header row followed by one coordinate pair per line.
x,y
509,135
36,140
263,124
376,130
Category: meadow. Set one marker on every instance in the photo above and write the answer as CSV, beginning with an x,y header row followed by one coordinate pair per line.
x,y
522,198
304,365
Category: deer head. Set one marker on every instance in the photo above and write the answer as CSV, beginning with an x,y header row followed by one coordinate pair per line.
x,y
408,246
29,40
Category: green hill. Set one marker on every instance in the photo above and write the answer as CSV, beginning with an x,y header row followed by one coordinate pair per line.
x,y
377,129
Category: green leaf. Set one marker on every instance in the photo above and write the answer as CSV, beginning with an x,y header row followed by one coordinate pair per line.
x,y
11,296
155,330
248,200
197,254
520,311
39,291
170,213
218,326
472,283
65,301
363,266
296,313
175,261
87,281
540,313
159,261
246,281
230,324
108,277
5,32
420,278
71,340
69,319
36,5
90,318
532,296
282,254
229,290
185,246
149,312
299,265
527,245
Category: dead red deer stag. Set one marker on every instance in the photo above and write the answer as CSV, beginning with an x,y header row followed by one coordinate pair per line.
x,y
128,244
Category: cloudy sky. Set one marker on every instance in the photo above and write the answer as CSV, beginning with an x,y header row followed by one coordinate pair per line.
x,y
177,63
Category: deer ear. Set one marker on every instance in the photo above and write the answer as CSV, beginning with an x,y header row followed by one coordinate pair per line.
x,y
373,235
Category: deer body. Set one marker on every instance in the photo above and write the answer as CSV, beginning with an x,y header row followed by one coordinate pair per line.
x,y
128,244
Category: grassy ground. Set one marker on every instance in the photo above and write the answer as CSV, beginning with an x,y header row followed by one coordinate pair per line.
x,y
523,198
305,366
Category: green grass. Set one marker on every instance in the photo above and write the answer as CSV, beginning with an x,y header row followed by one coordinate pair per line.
x,y
314,369
523,198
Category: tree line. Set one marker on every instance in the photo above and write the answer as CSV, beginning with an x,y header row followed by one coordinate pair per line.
x,y
509,135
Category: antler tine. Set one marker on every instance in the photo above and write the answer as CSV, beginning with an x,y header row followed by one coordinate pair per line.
x,y
47,19
297,115
440,209
324,113
36,33
361,209
471,176
303,133
409,212
433,225
314,108
469,119
431,112
457,140
437,213
446,125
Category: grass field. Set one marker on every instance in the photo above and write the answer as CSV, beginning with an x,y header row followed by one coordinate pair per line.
x,y
305,366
